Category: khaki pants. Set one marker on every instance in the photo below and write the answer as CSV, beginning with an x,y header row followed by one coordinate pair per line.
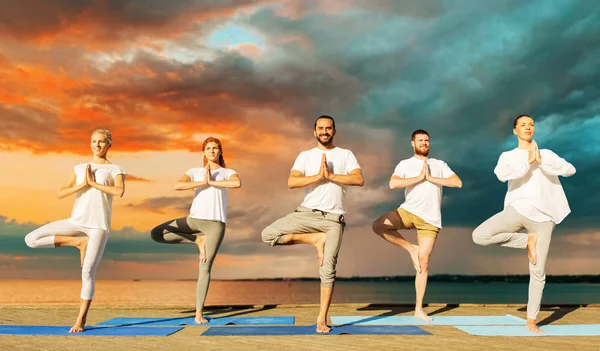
x,y
306,220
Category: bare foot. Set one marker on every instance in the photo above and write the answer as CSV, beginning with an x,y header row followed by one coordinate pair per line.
x,y
82,246
201,242
414,255
319,244
532,326
531,247
322,327
200,318
78,327
419,313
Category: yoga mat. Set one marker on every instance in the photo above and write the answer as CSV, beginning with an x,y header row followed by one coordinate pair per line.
x,y
221,321
89,331
311,330
437,320
549,330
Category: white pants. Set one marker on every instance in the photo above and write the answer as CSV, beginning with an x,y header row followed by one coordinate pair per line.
x,y
43,237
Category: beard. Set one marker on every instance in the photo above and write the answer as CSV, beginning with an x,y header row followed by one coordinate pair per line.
x,y
325,143
421,152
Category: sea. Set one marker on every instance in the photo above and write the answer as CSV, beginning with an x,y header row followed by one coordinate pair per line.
x,y
222,292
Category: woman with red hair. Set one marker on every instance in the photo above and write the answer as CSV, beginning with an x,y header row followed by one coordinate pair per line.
x,y
205,225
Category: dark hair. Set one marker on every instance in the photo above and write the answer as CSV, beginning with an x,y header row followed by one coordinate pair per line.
x,y
417,132
327,117
218,142
518,118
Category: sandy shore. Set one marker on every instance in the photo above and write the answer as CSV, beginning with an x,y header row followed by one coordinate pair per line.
x,y
443,338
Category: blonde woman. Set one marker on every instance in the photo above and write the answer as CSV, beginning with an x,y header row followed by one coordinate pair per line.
x,y
94,184
205,225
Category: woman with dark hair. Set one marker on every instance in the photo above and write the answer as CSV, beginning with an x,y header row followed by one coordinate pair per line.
x,y
535,201
205,225
94,184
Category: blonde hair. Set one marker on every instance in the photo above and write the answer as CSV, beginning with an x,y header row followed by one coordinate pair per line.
x,y
106,133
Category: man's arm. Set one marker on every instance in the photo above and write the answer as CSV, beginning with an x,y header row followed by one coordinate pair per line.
x,y
453,181
354,177
297,179
398,182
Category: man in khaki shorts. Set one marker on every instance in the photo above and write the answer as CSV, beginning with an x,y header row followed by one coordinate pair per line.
x,y
423,178
323,172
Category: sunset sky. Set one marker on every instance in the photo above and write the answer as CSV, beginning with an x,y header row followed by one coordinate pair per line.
x,y
164,75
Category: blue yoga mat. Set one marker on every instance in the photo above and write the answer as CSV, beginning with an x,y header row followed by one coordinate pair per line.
x,y
311,330
89,331
437,320
549,330
221,321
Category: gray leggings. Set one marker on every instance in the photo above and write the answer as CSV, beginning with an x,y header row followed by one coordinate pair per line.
x,y
306,220
183,231
501,229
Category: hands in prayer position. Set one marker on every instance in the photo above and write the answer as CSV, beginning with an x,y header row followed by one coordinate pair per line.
x,y
425,174
90,178
534,153
324,172
207,176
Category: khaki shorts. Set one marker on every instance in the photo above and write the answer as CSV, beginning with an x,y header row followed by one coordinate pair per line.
x,y
411,221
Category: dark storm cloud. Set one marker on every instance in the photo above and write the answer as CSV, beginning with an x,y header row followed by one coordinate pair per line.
x,y
464,75
32,19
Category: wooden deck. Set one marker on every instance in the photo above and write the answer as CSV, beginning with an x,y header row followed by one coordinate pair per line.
x,y
443,338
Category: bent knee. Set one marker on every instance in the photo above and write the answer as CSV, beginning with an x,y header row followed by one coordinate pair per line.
x,y
270,236
157,234
379,226
29,241
376,227
480,237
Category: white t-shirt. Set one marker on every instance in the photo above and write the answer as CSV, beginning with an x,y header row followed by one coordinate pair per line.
x,y
539,184
93,208
423,199
210,202
325,196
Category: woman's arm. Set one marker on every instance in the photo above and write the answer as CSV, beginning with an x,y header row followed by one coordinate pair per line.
x,y
69,187
298,180
115,190
185,183
509,169
233,182
355,178
553,164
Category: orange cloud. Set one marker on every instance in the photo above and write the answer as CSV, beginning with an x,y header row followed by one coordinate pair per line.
x,y
52,96
132,178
